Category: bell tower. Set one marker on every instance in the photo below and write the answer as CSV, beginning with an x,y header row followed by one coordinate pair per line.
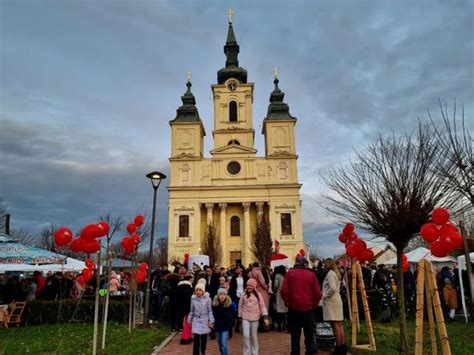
x,y
233,101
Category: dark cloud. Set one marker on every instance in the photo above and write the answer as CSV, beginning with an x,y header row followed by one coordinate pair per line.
x,y
88,89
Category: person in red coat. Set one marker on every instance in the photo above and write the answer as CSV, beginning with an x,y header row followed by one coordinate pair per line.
x,y
301,293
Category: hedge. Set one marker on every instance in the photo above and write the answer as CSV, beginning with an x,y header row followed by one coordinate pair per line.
x,y
64,311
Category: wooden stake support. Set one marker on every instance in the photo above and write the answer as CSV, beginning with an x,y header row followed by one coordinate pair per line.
x,y
357,275
426,287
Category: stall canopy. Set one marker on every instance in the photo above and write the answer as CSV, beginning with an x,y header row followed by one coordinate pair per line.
x,y
12,252
71,264
416,255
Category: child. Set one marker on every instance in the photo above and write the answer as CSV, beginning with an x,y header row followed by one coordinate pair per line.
x,y
450,298
200,318
223,315
251,308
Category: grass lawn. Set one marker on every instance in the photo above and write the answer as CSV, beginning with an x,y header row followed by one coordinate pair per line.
x,y
77,339
387,337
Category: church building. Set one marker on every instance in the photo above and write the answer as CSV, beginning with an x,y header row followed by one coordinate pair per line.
x,y
233,188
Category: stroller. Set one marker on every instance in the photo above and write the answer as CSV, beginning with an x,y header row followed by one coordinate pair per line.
x,y
323,335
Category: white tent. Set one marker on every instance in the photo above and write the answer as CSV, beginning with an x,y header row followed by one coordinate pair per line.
x,y
416,255
462,266
70,265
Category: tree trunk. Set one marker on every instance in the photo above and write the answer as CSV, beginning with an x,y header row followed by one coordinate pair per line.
x,y
401,303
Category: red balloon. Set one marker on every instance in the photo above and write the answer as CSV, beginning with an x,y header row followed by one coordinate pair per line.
x,y
141,276
105,228
351,250
448,228
404,258
131,228
429,232
76,245
90,264
91,231
81,280
138,221
405,266
126,241
62,236
143,266
438,249
452,239
440,216
302,252
90,246
352,236
186,255
343,238
348,229
366,255
129,249
87,274
135,239
359,246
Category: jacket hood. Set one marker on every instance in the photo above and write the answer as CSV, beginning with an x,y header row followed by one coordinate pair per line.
x,y
206,295
185,282
226,304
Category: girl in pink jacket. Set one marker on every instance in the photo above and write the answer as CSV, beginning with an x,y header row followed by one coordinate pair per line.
x,y
251,308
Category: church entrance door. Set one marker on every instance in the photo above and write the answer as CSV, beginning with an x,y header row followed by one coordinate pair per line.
x,y
235,256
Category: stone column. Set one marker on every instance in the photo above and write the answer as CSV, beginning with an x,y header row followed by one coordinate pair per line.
x,y
209,207
247,257
259,211
223,233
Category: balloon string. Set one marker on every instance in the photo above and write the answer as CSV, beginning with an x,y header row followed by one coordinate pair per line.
x,y
69,323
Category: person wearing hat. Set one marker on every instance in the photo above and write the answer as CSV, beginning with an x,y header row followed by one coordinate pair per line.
x,y
183,300
223,318
251,308
200,318
301,293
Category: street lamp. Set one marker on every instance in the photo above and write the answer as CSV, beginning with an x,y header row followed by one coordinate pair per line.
x,y
155,177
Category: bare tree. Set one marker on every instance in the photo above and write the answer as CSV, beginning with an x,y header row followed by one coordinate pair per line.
x,y
262,244
390,190
23,237
115,224
46,240
416,243
3,213
161,251
456,166
212,247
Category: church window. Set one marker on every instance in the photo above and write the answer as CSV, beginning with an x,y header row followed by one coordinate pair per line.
x,y
233,168
184,226
286,224
232,111
235,226
233,141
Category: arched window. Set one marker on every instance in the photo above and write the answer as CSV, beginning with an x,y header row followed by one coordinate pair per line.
x,y
232,111
233,141
235,226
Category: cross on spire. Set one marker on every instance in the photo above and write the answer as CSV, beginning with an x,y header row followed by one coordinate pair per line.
x,y
275,72
229,14
188,76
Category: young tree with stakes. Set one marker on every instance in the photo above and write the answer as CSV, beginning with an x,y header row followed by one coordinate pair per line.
x,y
390,190
262,244
212,247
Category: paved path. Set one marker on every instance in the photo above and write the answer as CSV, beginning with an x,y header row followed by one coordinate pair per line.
x,y
272,343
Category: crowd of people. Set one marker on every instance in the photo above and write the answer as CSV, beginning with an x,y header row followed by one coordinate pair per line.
x,y
218,302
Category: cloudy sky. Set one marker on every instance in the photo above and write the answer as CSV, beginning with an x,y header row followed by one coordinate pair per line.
x,y
88,87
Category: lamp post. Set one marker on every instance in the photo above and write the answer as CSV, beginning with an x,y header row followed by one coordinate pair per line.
x,y
155,177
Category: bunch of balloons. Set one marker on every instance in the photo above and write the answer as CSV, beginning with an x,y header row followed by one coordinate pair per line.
x,y
443,236
87,273
355,247
87,240
130,243
141,275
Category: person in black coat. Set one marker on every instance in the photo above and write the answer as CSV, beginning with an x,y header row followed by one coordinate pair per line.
x,y
172,281
184,293
223,318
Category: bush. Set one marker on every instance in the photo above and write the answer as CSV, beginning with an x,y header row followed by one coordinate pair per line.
x,y
64,311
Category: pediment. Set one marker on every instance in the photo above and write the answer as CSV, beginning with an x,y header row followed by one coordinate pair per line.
x,y
282,154
233,149
185,156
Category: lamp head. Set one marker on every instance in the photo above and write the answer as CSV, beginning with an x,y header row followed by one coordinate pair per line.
x,y
156,177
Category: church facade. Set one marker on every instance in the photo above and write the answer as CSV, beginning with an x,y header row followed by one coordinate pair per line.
x,y
233,188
